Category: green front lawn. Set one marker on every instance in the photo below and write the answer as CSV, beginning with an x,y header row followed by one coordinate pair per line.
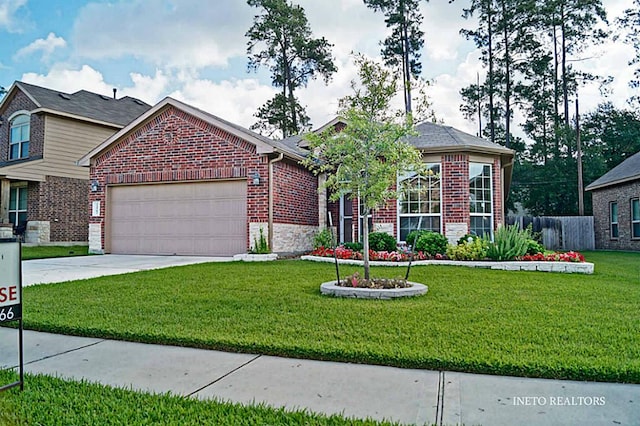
x,y
571,326
44,252
52,401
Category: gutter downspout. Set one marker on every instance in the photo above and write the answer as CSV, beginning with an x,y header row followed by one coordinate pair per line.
x,y
270,219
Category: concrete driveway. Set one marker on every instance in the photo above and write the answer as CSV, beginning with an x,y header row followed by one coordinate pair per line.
x,y
40,271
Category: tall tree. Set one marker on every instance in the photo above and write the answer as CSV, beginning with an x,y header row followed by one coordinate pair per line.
x,y
367,155
630,22
281,40
403,46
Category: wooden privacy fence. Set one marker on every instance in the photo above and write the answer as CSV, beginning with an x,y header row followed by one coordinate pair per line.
x,y
560,232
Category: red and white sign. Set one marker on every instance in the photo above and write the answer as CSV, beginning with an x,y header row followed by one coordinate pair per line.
x,y
10,288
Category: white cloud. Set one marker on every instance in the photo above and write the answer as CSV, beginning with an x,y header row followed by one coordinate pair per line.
x,y
46,46
185,34
8,10
232,100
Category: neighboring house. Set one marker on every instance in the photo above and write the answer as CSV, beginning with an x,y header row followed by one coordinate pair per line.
x,y
43,193
616,206
178,180
463,192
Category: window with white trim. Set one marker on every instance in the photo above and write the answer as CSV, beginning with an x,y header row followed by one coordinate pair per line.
x,y
419,203
635,218
18,204
613,219
19,137
480,199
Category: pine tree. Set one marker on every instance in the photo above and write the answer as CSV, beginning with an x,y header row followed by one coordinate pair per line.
x,y
281,39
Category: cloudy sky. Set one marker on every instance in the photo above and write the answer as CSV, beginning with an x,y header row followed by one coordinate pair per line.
x,y
195,51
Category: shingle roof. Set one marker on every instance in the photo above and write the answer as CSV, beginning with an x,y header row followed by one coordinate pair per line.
x,y
438,137
626,171
86,104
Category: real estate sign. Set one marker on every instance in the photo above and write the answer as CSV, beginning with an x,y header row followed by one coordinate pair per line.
x,y
10,285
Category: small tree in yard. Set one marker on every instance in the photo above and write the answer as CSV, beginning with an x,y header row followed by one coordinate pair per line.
x,y
364,159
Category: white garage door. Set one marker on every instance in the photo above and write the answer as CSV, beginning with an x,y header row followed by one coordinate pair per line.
x,y
205,218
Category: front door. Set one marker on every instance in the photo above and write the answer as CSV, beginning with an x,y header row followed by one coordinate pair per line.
x,y
346,219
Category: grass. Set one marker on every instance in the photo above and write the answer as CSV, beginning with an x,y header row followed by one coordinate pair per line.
x,y
565,326
45,252
52,401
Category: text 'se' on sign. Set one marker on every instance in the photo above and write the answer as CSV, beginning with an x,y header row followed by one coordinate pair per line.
x,y
10,287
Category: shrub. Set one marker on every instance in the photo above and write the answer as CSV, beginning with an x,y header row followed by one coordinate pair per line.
x,y
432,243
381,241
473,249
411,236
508,243
465,238
260,244
534,247
323,238
355,246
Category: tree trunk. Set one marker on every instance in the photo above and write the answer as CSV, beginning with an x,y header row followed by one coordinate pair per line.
x,y
405,59
365,242
556,90
492,118
507,64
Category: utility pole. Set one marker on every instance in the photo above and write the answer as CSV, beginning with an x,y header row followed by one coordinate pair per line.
x,y
580,184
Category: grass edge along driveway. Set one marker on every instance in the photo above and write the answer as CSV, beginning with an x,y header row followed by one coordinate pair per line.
x,y
532,324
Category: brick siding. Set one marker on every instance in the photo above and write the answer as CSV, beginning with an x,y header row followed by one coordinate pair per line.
x,y
36,137
63,203
174,146
295,198
622,194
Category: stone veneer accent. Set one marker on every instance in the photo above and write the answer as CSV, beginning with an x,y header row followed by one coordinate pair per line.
x,y
95,238
455,231
287,238
38,232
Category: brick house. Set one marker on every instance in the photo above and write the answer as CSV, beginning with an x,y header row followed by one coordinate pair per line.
x,y
616,206
178,180
464,191
43,192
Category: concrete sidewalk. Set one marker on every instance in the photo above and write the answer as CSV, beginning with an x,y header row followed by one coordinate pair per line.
x,y
60,269
404,395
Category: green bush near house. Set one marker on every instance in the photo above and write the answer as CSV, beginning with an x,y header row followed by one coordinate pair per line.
x,y
381,241
508,243
355,246
260,244
323,238
432,243
472,249
412,237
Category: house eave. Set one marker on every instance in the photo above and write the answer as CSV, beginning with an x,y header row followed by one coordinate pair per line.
x,y
593,187
75,117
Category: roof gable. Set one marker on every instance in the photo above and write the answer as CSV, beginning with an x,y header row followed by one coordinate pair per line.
x,y
628,170
263,145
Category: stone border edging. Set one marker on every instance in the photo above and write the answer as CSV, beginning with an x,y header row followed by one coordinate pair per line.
x,y
250,257
566,267
331,289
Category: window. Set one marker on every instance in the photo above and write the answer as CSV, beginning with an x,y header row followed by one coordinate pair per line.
x,y
19,138
480,199
635,218
419,201
613,215
18,205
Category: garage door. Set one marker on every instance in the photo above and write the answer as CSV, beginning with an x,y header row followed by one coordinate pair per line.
x,y
207,218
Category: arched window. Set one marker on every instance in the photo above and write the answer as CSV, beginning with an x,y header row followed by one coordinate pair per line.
x,y
19,137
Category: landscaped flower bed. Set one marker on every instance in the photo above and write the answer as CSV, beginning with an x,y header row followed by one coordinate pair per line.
x,y
342,252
